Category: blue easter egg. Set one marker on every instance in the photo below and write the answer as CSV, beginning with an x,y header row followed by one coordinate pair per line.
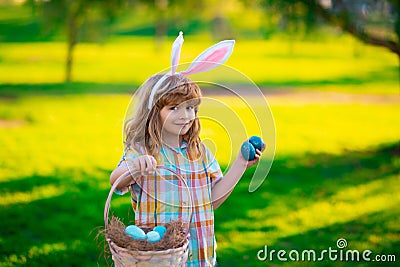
x,y
257,142
161,230
248,151
135,232
153,236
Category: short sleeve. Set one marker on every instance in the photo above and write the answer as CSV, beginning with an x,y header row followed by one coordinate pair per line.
x,y
126,159
129,155
212,167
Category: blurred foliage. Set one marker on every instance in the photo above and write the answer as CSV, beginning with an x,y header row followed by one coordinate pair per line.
x,y
372,21
375,22
74,17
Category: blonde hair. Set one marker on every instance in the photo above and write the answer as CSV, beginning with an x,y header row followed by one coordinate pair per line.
x,y
143,129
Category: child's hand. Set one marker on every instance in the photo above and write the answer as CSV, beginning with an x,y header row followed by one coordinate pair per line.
x,y
145,164
256,159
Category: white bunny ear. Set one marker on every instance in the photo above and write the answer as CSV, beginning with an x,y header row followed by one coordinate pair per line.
x,y
176,52
211,57
175,55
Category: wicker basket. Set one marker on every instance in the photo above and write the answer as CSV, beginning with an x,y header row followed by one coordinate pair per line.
x,y
123,257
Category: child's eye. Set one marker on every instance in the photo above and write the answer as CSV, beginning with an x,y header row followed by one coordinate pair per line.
x,y
195,108
173,108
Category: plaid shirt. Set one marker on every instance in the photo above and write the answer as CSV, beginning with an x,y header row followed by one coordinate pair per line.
x,y
162,197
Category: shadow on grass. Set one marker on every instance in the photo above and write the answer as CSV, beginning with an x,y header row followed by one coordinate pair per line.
x,y
387,75
323,174
56,229
298,184
377,232
60,228
19,90
30,29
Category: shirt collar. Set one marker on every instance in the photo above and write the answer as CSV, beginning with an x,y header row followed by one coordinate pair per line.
x,y
183,146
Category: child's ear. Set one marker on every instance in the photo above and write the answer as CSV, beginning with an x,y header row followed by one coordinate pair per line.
x,y
211,57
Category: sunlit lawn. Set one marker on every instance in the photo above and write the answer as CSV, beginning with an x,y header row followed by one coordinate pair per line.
x,y
270,63
335,175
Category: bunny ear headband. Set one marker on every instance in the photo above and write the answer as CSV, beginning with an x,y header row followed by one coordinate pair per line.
x,y
210,58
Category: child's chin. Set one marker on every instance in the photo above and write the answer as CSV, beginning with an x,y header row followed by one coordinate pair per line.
x,y
184,131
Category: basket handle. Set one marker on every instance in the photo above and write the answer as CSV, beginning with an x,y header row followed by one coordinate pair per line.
x,y
129,173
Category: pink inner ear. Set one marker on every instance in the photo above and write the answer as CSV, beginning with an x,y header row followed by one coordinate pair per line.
x,y
209,61
217,56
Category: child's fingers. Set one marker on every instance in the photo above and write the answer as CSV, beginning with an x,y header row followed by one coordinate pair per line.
x,y
154,163
256,158
142,165
150,164
145,164
263,147
259,152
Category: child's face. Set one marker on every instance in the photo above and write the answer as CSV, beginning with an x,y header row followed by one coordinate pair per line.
x,y
176,120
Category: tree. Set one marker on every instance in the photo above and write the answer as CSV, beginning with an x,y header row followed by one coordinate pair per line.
x,y
172,14
71,16
374,22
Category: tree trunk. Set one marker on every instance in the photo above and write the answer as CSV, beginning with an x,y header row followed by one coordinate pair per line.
x,y
398,71
70,59
161,22
72,34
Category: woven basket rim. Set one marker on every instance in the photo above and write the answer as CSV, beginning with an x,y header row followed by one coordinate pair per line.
x,y
149,252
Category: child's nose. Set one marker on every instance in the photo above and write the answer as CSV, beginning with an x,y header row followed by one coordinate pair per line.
x,y
188,114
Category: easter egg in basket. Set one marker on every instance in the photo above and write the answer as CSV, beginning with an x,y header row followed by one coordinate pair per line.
x,y
161,230
153,236
135,232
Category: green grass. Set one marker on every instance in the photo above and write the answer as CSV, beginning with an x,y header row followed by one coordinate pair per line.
x,y
309,202
335,175
343,65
